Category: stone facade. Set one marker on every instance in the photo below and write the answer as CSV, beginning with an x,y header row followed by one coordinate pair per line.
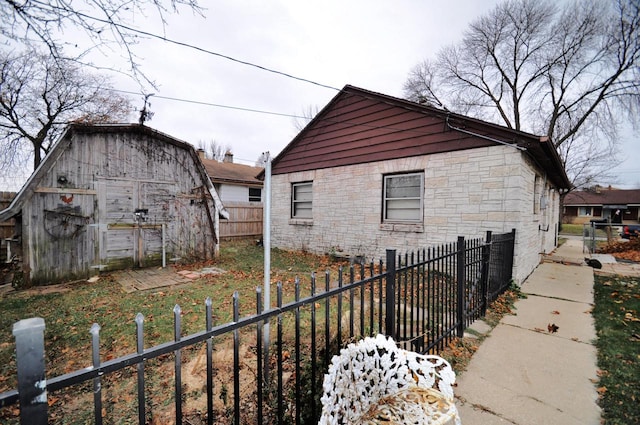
x,y
466,193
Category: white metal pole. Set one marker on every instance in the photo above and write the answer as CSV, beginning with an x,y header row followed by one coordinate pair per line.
x,y
266,242
266,233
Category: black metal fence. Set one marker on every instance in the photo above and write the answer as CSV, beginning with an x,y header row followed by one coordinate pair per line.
x,y
277,358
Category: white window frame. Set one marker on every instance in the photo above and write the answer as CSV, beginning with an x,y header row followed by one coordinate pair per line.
x,y
537,191
416,199
585,211
302,200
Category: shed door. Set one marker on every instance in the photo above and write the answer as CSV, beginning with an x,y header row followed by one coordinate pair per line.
x,y
132,214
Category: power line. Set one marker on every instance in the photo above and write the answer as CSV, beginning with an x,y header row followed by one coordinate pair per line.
x,y
217,105
201,49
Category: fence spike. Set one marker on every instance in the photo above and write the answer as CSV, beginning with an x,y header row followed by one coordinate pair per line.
x,y
209,325
177,332
32,384
236,360
140,367
259,365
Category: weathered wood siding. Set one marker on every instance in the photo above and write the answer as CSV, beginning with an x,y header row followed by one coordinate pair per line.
x,y
82,216
245,220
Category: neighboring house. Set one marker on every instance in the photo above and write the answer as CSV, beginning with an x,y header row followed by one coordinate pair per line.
x,y
601,203
234,182
6,227
108,197
241,192
372,172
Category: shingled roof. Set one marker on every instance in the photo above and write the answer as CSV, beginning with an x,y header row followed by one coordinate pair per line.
x,y
229,172
603,197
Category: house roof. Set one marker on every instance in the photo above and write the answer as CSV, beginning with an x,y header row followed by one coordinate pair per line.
x,y
360,126
229,172
603,197
65,139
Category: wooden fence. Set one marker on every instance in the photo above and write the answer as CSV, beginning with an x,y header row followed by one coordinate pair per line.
x,y
245,220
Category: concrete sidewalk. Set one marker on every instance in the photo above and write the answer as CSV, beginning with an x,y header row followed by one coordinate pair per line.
x,y
523,374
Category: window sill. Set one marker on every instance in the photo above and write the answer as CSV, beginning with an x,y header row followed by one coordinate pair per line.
x,y
402,227
301,222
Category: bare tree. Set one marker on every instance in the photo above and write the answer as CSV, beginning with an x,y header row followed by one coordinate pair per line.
x,y
40,95
301,121
214,149
106,23
571,73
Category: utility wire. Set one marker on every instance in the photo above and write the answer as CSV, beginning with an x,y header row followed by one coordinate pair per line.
x,y
201,49
217,105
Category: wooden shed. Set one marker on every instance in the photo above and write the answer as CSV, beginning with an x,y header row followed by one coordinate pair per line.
x,y
109,197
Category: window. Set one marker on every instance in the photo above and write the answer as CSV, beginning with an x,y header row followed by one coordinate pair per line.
x,y
255,194
301,200
403,197
537,190
585,211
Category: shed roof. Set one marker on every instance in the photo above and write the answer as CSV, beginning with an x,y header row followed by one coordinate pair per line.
x,y
603,197
360,126
229,172
65,138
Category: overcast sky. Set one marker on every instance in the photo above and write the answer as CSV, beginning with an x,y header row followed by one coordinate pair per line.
x,y
371,44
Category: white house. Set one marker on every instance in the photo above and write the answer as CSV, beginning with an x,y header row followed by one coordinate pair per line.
x,y
372,172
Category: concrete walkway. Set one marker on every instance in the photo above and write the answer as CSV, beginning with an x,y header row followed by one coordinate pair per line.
x,y
524,374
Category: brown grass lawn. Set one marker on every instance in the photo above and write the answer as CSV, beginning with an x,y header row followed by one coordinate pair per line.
x,y
70,310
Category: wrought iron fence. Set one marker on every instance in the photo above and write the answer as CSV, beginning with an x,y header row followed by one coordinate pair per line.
x,y
277,358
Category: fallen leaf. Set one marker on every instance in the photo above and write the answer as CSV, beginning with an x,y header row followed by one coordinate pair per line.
x,y
552,328
555,312
631,318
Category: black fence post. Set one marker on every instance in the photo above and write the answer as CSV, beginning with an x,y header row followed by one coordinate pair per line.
x,y
390,295
32,385
460,305
97,384
486,256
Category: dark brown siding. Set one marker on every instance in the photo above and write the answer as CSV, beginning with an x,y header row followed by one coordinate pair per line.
x,y
357,129
359,126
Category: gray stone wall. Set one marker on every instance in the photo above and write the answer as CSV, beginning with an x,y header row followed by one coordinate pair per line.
x,y
466,193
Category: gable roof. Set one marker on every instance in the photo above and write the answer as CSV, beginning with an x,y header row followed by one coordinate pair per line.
x,y
229,172
603,197
360,126
65,139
